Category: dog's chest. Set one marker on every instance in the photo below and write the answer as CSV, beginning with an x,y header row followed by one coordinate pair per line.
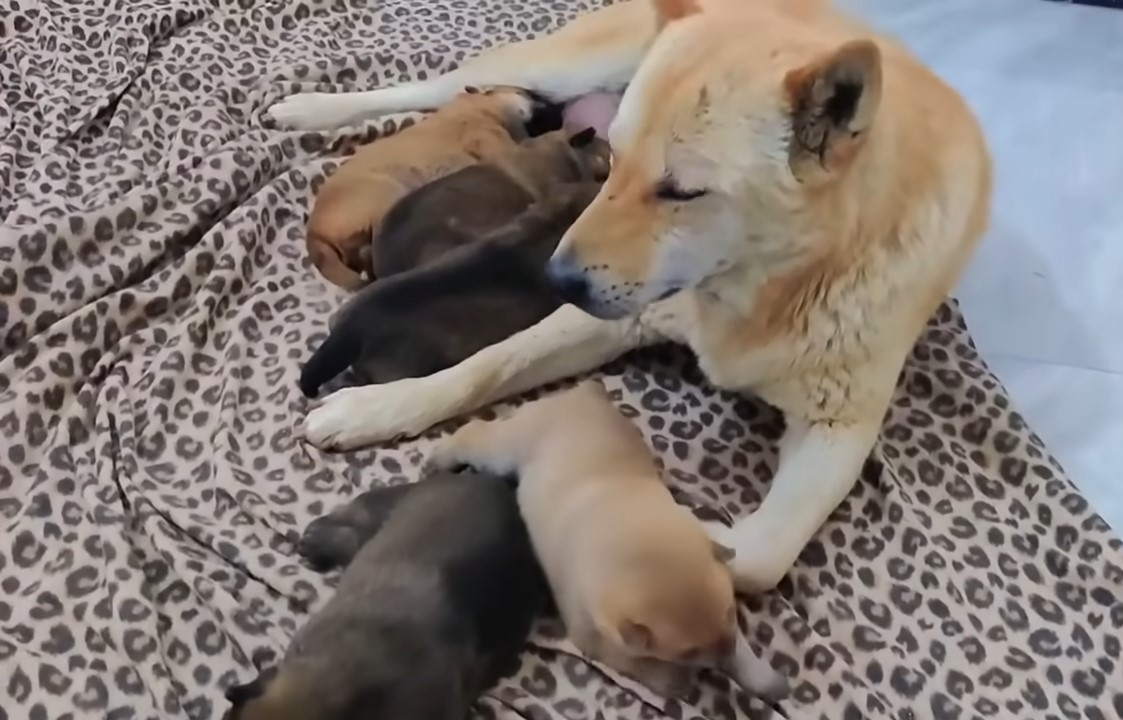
x,y
814,369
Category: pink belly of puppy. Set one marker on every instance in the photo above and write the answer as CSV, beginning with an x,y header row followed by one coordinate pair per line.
x,y
594,110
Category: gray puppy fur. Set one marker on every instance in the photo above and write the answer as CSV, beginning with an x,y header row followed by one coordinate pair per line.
x,y
431,611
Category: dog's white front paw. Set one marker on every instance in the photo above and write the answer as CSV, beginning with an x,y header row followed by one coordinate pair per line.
x,y
360,416
759,562
343,421
720,533
312,111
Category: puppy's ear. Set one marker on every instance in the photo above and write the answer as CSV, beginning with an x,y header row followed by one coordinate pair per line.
x,y
834,100
723,554
582,138
636,636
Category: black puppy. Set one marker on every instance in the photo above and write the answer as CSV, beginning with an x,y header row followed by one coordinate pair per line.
x,y
431,611
427,319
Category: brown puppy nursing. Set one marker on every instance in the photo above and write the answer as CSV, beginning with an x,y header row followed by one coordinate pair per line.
x,y
637,581
352,203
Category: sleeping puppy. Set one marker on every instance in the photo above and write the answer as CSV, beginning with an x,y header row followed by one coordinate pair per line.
x,y
474,126
453,287
457,209
432,610
634,575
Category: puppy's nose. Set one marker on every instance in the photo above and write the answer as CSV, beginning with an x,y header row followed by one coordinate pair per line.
x,y
568,280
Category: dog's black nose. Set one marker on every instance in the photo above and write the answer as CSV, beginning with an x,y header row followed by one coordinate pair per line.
x,y
568,280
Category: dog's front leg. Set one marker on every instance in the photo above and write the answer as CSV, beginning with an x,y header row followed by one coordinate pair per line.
x,y
568,342
600,50
819,464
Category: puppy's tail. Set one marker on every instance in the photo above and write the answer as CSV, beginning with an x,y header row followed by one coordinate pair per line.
x,y
332,357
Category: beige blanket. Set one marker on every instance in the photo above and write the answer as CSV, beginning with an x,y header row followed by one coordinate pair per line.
x,y
155,307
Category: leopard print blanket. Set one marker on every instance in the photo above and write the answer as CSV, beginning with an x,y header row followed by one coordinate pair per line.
x,y
155,306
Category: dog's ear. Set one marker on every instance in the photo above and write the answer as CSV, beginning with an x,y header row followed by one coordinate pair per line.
x,y
834,100
723,554
667,11
583,138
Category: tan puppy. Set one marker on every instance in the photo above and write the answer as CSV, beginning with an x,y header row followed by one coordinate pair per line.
x,y
792,195
636,579
351,204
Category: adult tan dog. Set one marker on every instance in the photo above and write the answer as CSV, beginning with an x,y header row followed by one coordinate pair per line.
x,y
791,196
636,580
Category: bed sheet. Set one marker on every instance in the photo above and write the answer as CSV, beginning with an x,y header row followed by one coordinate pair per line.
x,y
156,304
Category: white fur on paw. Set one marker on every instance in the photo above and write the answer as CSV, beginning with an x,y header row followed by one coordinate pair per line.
x,y
720,533
758,563
310,111
360,416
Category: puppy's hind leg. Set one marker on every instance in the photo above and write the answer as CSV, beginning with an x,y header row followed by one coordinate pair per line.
x,y
600,50
333,539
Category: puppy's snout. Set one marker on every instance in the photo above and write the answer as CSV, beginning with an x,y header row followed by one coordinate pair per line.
x,y
568,280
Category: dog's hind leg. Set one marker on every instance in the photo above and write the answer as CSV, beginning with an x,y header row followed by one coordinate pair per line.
x,y
596,51
568,342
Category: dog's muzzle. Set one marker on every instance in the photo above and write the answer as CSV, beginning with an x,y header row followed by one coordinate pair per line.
x,y
568,280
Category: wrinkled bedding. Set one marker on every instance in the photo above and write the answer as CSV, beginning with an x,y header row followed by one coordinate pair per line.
x,y
155,306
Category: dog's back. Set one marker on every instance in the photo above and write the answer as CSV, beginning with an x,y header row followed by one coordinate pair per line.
x,y
449,582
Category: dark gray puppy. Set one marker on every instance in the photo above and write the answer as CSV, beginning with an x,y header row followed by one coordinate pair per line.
x,y
432,610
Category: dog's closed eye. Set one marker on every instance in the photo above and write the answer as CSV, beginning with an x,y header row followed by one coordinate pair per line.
x,y
669,189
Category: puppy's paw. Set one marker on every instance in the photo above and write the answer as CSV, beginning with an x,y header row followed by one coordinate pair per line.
x,y
327,543
454,452
312,111
441,459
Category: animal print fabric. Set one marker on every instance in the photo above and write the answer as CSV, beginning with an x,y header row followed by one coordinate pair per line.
x,y
156,304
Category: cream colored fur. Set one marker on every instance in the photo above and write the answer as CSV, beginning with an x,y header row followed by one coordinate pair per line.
x,y
845,189
639,584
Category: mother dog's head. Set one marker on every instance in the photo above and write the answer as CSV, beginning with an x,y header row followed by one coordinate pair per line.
x,y
738,121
